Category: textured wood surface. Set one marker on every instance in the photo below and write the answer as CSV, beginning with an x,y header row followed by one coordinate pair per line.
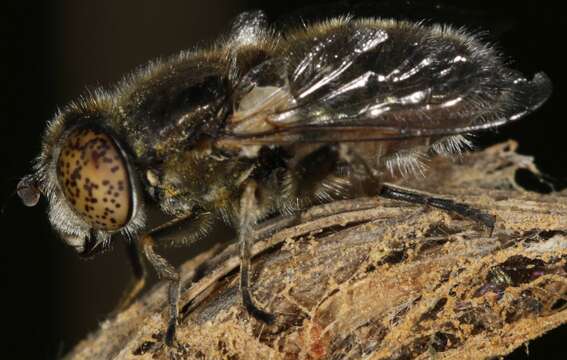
x,y
374,279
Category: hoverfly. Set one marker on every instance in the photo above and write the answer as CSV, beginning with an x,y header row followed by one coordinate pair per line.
x,y
265,123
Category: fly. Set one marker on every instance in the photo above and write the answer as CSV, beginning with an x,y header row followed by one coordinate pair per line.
x,y
264,123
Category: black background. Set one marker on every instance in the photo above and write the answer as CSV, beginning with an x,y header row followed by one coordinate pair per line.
x,y
54,50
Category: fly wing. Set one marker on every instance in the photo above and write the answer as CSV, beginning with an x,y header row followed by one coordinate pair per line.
x,y
379,80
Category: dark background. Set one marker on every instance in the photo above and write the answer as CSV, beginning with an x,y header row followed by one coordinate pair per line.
x,y
54,50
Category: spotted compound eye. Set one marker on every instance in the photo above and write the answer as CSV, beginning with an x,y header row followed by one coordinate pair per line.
x,y
94,177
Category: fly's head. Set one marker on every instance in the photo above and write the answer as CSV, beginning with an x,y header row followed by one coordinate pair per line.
x,y
86,173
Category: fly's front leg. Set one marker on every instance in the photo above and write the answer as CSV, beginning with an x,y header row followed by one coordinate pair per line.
x,y
183,231
247,219
165,271
139,280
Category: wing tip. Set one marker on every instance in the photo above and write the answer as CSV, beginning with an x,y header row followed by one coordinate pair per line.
x,y
534,93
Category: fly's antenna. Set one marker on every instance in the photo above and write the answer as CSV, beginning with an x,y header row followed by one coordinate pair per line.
x,y
28,191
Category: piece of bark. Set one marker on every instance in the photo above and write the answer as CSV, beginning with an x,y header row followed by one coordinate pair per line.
x,y
374,279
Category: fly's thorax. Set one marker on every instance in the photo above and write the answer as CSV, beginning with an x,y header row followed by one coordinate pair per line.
x,y
197,177
174,103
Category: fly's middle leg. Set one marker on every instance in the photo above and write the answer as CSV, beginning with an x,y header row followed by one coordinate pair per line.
x,y
247,220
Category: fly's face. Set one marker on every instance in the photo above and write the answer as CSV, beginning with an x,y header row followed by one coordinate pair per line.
x,y
104,153
87,176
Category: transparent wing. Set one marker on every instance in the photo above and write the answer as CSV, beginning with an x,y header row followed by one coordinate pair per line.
x,y
376,80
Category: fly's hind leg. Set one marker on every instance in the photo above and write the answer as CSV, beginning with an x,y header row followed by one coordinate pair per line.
x,y
467,211
407,195
247,219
